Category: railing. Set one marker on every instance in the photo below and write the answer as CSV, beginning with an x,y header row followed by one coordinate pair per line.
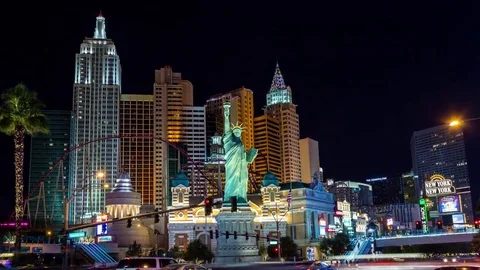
x,y
97,254
434,233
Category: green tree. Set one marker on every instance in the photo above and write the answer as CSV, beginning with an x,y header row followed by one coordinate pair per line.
x,y
196,250
475,244
288,247
134,250
156,252
20,115
339,243
175,252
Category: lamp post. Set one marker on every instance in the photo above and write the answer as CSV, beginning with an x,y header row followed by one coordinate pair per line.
x,y
66,204
277,221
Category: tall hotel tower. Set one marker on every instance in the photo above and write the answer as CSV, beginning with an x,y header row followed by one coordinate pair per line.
x,y
280,107
441,150
96,99
181,123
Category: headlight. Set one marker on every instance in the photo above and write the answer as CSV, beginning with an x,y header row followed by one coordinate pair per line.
x,y
445,260
454,260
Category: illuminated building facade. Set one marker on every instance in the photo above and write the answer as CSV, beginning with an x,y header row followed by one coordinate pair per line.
x,y
307,221
358,195
181,123
96,102
386,190
45,151
441,150
408,183
309,159
214,166
241,111
269,145
280,107
136,154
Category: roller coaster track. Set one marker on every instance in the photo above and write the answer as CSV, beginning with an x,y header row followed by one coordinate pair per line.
x,y
122,136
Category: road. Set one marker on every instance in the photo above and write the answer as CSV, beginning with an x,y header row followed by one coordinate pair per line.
x,y
364,266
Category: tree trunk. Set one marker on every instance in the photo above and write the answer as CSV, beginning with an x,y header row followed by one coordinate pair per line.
x,y
18,140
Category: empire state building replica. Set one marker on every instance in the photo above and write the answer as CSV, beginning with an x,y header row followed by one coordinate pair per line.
x,y
95,114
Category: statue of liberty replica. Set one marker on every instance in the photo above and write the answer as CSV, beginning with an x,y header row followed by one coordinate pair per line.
x,y
236,160
240,222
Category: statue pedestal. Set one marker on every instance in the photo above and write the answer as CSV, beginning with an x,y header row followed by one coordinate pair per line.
x,y
236,250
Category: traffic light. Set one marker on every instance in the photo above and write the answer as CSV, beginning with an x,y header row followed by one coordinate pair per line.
x,y
211,234
233,202
246,236
235,235
104,227
227,235
268,238
216,234
477,224
129,223
258,237
439,225
208,206
156,219
418,225
275,249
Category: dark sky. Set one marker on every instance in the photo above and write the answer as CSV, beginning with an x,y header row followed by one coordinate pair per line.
x,y
365,75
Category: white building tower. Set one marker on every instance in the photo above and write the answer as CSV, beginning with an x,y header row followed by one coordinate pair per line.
x,y
96,100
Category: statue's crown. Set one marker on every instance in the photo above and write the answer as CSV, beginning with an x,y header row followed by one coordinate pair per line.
x,y
237,126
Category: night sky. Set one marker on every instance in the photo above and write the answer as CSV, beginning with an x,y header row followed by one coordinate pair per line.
x,y
364,75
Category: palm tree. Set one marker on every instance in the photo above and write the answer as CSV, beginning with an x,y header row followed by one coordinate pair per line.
x,y
20,115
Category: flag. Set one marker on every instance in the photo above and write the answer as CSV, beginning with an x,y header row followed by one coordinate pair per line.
x,y
289,198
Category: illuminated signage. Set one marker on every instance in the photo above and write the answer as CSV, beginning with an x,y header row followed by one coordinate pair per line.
x,y
438,185
76,234
376,179
104,239
390,222
424,214
102,228
449,204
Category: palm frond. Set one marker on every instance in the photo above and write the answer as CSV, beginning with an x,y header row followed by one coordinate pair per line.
x,y
21,107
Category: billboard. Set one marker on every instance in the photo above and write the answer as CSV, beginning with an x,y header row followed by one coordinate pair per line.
x,y
438,186
458,218
449,204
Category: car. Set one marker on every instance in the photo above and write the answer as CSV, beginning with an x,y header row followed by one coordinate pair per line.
x,y
146,263
184,266
449,259
319,265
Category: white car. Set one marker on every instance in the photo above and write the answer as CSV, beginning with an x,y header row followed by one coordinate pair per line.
x,y
147,263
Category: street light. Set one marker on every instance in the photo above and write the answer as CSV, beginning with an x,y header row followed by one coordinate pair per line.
x,y
454,123
277,221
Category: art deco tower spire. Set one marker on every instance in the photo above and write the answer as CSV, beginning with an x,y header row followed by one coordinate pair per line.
x,y
100,32
279,92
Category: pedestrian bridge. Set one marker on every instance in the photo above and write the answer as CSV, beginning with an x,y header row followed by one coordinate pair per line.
x,y
424,239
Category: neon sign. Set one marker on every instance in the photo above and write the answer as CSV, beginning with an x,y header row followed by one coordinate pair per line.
x,y
438,185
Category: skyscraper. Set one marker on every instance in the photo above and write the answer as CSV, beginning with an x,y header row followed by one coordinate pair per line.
x,y
47,207
281,107
309,160
241,111
183,125
441,150
136,154
96,99
269,145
